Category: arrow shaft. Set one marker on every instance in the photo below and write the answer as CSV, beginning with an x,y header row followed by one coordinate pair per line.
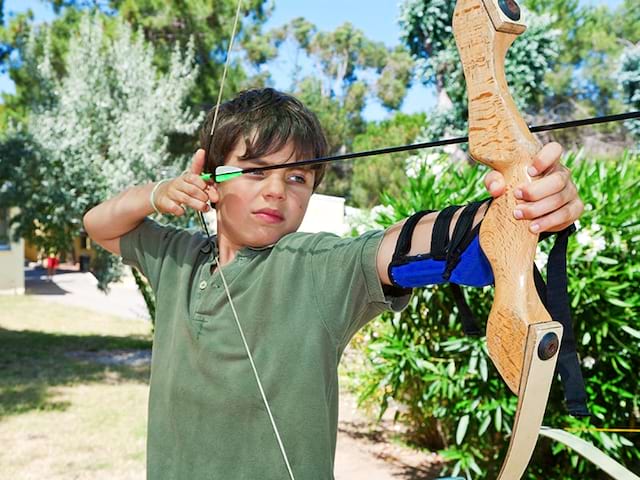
x,y
422,146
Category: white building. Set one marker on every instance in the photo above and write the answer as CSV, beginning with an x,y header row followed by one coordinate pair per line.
x,y
11,257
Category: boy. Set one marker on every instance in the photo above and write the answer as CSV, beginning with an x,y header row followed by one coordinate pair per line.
x,y
251,324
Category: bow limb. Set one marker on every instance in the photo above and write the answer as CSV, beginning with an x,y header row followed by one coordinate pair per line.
x,y
522,340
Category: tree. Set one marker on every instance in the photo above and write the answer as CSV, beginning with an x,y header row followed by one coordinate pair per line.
x,y
386,173
348,70
426,30
165,25
592,39
629,79
210,23
103,126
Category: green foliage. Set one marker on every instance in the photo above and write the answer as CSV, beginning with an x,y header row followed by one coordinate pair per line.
x,y
340,121
395,78
591,39
629,79
627,21
166,23
348,70
346,57
374,175
426,28
210,23
443,385
587,42
101,128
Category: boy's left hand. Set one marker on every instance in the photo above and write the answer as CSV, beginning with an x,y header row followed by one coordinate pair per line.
x,y
551,201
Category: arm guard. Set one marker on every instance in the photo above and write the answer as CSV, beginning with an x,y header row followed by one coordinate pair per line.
x,y
457,260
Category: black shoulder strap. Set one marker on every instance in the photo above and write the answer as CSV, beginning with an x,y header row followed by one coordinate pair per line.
x,y
555,297
470,325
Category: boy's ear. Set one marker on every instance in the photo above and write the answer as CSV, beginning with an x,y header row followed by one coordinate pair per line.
x,y
213,193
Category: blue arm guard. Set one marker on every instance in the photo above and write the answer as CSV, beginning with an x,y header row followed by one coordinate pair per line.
x,y
457,260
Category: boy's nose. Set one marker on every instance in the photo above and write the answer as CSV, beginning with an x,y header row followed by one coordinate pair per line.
x,y
275,187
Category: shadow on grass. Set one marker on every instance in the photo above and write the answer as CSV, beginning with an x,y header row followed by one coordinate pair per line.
x,y
32,362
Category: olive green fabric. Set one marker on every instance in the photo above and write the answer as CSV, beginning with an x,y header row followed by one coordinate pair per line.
x,y
299,303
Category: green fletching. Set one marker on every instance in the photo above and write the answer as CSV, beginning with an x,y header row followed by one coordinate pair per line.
x,y
223,173
227,176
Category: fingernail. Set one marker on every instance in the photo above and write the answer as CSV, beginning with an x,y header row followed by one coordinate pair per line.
x,y
532,171
493,186
518,214
518,194
535,228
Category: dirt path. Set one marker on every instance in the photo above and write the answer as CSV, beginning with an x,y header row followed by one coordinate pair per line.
x,y
364,452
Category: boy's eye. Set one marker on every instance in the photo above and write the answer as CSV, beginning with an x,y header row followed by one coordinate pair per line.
x,y
298,177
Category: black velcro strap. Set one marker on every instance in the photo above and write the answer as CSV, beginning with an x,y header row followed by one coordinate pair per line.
x,y
463,234
470,325
403,246
440,235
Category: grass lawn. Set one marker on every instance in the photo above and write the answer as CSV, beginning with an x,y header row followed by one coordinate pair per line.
x,y
62,415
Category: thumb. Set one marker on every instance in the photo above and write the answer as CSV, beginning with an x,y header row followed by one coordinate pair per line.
x,y
494,183
198,161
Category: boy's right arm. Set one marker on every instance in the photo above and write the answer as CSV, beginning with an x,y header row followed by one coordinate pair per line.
x,y
108,222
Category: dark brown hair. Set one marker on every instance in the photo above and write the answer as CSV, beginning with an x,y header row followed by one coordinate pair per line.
x,y
266,119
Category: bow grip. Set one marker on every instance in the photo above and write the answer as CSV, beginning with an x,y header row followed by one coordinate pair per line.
x,y
499,138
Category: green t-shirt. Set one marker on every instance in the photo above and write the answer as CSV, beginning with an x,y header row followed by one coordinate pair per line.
x,y
299,303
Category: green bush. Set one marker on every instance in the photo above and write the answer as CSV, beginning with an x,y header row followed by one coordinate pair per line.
x,y
443,386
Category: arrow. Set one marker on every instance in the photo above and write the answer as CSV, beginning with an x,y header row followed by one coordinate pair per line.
x,y
227,172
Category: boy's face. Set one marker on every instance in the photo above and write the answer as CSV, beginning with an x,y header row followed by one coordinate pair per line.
x,y
256,210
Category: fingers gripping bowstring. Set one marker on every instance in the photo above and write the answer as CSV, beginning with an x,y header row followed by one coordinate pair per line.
x,y
217,258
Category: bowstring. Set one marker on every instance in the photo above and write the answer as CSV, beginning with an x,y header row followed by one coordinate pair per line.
x,y
217,256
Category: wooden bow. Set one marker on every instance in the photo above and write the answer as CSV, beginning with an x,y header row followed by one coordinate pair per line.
x,y
523,341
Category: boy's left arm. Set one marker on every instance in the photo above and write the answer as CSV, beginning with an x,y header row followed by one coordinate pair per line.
x,y
551,202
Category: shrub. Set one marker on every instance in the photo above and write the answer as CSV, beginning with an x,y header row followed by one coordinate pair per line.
x,y
442,384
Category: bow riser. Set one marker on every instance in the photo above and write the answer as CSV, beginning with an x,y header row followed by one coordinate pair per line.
x,y
522,340
500,139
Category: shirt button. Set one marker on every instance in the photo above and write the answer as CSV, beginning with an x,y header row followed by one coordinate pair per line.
x,y
203,285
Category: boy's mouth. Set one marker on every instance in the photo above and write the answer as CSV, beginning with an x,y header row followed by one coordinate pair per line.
x,y
269,215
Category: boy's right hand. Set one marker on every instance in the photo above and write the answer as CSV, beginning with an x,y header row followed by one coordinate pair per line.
x,y
187,190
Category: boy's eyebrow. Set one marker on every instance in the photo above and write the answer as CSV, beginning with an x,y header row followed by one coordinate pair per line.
x,y
263,163
257,161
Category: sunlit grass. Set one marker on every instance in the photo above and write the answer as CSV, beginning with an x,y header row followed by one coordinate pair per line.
x,y
63,417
